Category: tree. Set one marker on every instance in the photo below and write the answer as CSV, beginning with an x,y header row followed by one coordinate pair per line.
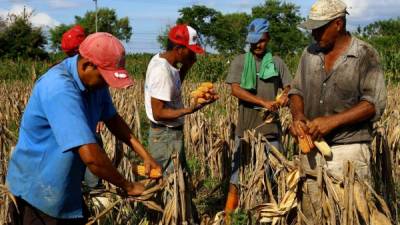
x,y
384,36
229,33
56,34
107,22
201,18
20,39
283,18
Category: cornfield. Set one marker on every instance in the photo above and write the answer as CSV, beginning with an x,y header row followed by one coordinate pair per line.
x,y
209,140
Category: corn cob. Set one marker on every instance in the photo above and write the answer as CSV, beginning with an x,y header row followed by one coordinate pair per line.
x,y
197,94
208,85
306,144
324,148
201,100
141,171
203,89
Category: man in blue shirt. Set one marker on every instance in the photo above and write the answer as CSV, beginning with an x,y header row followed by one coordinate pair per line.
x,y
57,135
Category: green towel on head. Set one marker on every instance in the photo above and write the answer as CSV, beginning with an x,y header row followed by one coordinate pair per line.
x,y
249,74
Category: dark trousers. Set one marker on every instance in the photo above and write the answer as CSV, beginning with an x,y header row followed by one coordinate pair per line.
x,y
29,215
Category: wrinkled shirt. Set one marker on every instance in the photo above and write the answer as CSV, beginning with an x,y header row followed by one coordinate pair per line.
x,y
61,115
250,116
356,76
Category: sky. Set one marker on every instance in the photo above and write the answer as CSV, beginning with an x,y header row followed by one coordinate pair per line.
x,y
149,18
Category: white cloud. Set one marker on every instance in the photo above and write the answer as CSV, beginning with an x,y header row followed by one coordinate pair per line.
x,y
38,19
367,11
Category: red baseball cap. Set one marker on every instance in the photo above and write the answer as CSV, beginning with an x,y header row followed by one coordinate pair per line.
x,y
72,38
108,54
185,35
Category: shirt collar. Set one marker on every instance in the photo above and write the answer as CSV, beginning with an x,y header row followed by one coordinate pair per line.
x,y
72,67
353,48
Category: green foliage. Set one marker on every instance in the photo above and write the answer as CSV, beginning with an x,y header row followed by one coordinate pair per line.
x,y
283,18
107,22
239,217
209,68
230,32
201,18
20,39
384,36
162,38
226,33
56,34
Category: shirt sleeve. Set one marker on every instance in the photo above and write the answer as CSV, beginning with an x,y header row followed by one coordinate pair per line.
x,y
372,82
66,115
109,110
161,84
284,73
235,70
296,87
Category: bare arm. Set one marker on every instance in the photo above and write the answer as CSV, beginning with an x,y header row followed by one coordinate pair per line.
x,y
99,164
121,130
298,126
246,96
322,126
162,113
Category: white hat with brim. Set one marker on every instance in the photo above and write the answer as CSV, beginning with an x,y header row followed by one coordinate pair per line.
x,y
322,12
313,24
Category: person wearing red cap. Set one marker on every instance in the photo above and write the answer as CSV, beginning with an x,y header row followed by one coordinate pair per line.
x,y
71,40
163,101
57,135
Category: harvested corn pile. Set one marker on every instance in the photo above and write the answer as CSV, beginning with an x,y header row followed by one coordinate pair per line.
x,y
204,93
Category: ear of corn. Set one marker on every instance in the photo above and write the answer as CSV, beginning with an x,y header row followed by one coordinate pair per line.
x,y
141,171
306,144
208,85
323,147
201,100
197,94
203,89
204,92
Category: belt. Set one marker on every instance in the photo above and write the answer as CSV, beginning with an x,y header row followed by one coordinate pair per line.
x,y
162,126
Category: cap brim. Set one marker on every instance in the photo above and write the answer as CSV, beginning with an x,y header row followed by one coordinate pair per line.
x,y
196,48
253,38
116,78
313,24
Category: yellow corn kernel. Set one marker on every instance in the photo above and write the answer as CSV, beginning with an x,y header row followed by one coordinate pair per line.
x,y
208,85
323,147
197,94
141,171
201,100
203,89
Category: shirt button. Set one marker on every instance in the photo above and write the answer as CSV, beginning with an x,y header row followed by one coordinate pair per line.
x,y
320,101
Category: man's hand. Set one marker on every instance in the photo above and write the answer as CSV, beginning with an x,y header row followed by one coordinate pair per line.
x,y
283,100
299,128
149,164
270,105
99,127
321,126
134,189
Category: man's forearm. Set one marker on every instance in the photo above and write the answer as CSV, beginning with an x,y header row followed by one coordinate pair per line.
x,y
246,96
166,114
100,165
358,113
297,107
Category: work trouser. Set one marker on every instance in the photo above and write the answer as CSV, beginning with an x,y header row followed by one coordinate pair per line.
x,y
358,153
